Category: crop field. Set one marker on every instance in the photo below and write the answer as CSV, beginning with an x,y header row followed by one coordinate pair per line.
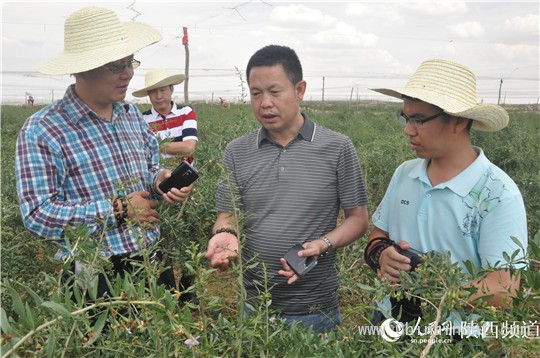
x,y
38,318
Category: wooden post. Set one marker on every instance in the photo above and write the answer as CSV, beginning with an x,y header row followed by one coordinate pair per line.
x,y
185,42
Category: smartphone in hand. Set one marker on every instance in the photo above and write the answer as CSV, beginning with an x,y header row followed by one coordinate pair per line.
x,y
183,175
300,265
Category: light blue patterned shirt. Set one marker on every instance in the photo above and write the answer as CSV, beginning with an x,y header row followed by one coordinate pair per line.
x,y
71,163
473,215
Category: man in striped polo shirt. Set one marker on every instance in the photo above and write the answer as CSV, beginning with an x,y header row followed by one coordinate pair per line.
x,y
290,179
175,125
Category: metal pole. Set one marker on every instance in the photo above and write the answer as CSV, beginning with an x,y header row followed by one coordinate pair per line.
x,y
322,104
185,42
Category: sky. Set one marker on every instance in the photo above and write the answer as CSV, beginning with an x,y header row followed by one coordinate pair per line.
x,y
345,48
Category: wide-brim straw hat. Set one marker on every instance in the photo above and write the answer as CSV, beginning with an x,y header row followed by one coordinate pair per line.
x,y
157,78
94,36
451,87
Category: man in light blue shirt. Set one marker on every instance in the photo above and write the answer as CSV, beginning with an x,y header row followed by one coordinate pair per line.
x,y
452,198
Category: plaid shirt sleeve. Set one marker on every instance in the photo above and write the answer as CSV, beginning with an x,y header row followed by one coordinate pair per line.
x,y
152,145
41,172
70,165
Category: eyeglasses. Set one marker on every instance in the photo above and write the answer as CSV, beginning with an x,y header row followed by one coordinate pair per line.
x,y
416,122
118,67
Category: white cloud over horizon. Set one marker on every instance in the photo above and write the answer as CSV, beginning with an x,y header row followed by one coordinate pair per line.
x,y
352,44
528,24
469,29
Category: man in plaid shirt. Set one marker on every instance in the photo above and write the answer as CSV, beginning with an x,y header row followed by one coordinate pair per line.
x,y
89,159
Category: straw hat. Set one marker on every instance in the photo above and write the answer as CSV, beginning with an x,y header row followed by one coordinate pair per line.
x,y
451,87
94,36
157,78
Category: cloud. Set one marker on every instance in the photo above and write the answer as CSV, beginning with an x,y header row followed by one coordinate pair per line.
x,y
516,52
372,11
467,29
300,16
360,9
345,35
527,24
448,49
355,42
437,8
319,29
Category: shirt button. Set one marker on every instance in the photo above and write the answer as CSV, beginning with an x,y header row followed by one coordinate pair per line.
x,y
282,168
429,195
284,150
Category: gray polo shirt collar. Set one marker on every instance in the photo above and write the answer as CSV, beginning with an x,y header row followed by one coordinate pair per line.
x,y
306,132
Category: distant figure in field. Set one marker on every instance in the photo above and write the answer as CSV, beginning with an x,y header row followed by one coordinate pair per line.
x,y
30,101
224,103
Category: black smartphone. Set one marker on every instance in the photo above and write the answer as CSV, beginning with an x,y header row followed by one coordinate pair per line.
x,y
183,175
300,265
413,255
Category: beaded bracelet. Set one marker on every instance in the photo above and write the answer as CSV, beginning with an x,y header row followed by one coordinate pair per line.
x,y
373,250
120,215
227,230
329,245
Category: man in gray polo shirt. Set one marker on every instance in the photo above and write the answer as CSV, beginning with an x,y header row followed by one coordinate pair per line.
x,y
290,179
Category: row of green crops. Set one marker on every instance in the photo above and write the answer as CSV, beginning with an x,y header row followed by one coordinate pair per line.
x,y
39,319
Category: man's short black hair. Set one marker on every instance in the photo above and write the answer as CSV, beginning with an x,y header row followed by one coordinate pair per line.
x,y
272,55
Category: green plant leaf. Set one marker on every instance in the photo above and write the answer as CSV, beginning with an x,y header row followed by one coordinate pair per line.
x,y
517,242
4,321
534,249
365,287
76,293
98,327
29,315
57,308
92,289
51,345
17,302
470,267
38,300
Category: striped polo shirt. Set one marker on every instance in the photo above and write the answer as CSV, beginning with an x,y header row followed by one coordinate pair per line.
x,y
179,125
290,195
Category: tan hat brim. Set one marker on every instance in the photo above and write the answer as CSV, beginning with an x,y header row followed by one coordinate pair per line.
x,y
486,117
139,35
171,80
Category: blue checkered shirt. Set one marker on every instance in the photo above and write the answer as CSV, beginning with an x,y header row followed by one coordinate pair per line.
x,y
71,163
